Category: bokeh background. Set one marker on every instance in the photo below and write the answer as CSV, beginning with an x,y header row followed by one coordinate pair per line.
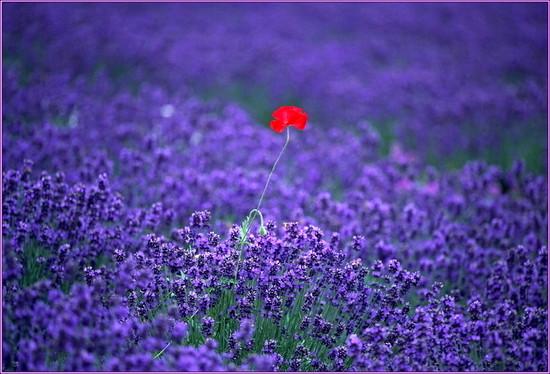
x,y
450,82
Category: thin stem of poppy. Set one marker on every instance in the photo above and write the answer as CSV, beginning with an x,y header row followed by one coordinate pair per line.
x,y
254,212
273,168
162,351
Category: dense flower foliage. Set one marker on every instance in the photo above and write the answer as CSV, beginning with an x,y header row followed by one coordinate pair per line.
x,y
120,204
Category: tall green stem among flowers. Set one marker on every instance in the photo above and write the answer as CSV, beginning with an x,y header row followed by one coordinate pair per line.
x,y
284,117
256,212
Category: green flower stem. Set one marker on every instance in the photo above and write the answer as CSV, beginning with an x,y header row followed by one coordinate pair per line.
x,y
273,168
245,227
255,212
162,351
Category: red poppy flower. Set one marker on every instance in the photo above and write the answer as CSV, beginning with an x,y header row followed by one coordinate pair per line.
x,y
288,116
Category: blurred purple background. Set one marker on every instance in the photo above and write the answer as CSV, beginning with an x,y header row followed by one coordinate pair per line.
x,y
451,82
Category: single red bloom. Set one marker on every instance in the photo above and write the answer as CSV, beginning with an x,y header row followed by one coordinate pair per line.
x,y
288,116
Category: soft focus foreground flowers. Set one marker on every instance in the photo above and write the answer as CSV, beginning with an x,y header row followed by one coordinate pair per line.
x,y
121,250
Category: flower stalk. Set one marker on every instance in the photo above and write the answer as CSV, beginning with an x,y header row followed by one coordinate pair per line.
x,y
284,118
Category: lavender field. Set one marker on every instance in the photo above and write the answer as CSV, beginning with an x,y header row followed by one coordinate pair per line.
x,y
404,229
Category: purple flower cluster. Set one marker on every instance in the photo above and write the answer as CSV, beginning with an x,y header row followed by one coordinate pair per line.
x,y
120,203
116,297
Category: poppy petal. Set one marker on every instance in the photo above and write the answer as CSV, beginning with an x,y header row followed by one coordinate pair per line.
x,y
277,125
281,113
299,121
289,116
